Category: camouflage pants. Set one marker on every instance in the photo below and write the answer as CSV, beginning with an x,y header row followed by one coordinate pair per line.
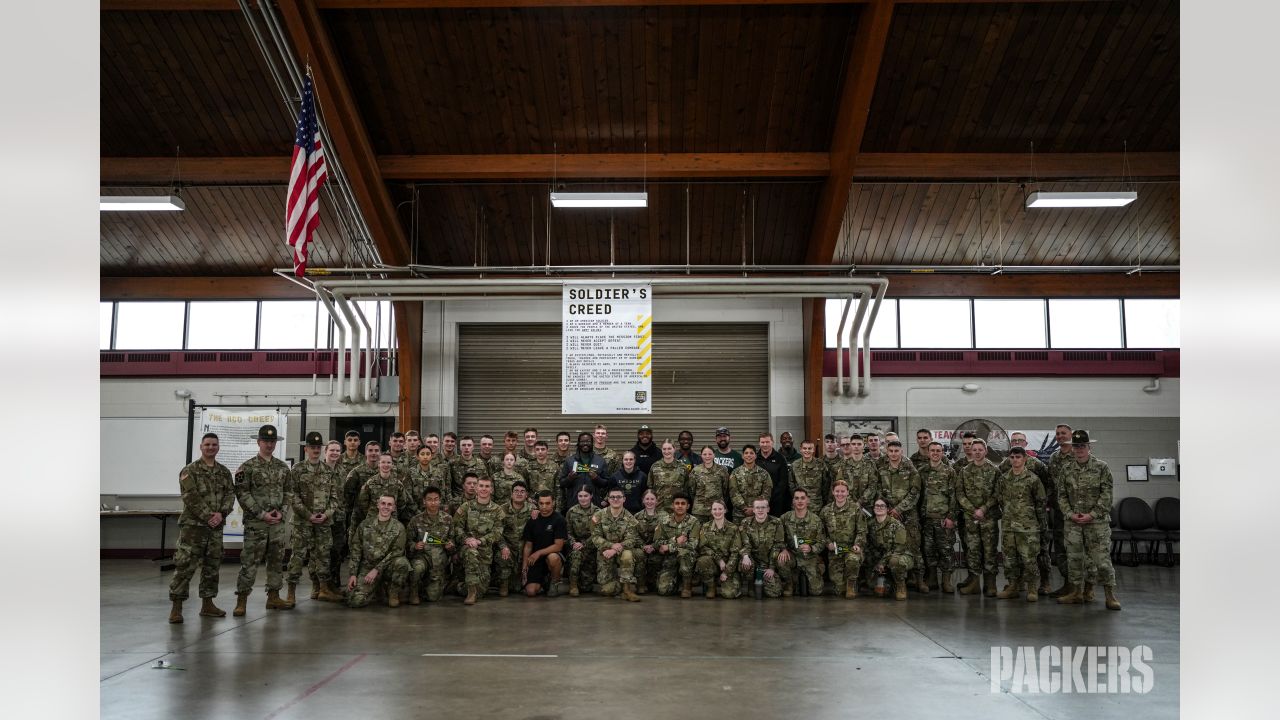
x,y
937,546
772,586
648,566
433,564
614,572
311,547
392,579
338,548
1021,550
1057,549
475,565
198,546
1088,550
980,546
676,565
911,521
262,542
846,564
709,570
898,565
582,566
1043,558
507,574
812,567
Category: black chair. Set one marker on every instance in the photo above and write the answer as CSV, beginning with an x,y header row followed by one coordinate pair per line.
x,y
1138,519
1118,536
1168,520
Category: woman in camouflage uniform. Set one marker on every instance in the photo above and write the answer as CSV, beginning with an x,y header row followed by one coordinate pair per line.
x,y
582,557
503,479
720,547
647,567
708,482
889,550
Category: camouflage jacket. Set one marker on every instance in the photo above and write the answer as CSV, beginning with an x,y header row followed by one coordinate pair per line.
x,y
763,540
939,491
804,531
724,543
612,460
812,476
1057,463
513,524
377,486
845,526
579,521
351,486
920,459
887,538
976,488
542,476
1021,499
862,477
1086,489
315,489
438,530
206,489
746,484
432,476
647,525
376,544
707,486
493,463
459,469
482,522
502,484
667,479
347,464
262,486
669,530
607,529
899,488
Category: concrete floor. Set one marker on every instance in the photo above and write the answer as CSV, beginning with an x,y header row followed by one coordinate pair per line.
x,y
663,657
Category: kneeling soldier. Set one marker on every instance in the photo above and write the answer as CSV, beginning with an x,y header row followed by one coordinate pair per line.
x,y
676,542
720,546
846,529
889,548
430,545
614,536
377,557
804,540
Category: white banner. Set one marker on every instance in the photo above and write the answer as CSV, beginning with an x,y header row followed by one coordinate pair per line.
x,y
237,431
606,349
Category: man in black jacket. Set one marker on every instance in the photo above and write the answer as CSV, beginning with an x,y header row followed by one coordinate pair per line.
x,y
776,465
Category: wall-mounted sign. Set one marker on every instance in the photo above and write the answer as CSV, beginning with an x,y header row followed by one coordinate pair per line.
x,y
606,349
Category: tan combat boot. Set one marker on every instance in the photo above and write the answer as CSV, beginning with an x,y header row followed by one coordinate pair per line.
x,y
573,587
242,599
471,595
274,602
711,589
686,591
292,597
208,609
1033,588
972,586
393,598
1071,598
1067,588
989,585
315,587
789,588
328,594
629,592
947,587
1112,602
900,590
1087,595
850,588
922,585
1011,589
413,596
504,588
175,613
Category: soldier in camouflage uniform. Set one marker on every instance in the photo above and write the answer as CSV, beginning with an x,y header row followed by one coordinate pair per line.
x,y
976,493
1084,493
506,478
425,474
263,490
810,473
356,480
764,539
676,542
612,459
647,566
888,549
430,537
859,473
1021,498
804,536
349,459
377,556
477,530
529,453
1057,514
748,482
466,462
708,482
1041,471
582,561
508,557
387,481
939,511
721,549
492,461
541,472
207,499
399,457
845,526
315,502
668,477
613,533
920,458
899,485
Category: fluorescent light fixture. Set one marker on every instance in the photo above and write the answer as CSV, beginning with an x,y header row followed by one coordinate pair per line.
x,y
140,202
1080,199
600,199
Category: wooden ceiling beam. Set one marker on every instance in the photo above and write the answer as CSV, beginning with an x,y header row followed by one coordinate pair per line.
x,y
603,165
258,287
986,166
194,170
859,85
1061,285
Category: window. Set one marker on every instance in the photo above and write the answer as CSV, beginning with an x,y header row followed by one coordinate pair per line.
x,y
149,325
884,334
222,325
1152,323
104,325
1084,323
935,323
291,324
1009,323
378,315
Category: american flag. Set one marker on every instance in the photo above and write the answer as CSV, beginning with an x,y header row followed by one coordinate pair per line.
x,y
307,174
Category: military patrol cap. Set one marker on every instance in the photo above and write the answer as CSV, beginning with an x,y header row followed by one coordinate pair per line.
x,y
268,432
722,430
1017,451
314,439
1080,437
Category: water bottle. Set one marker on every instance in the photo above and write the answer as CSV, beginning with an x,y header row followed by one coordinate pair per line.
x,y
759,584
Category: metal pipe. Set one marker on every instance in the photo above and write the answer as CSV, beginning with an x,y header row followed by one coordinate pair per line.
x,y
366,393
864,299
341,361
345,306
844,317
737,269
864,385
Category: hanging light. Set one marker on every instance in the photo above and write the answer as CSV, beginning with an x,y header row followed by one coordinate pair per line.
x,y
600,199
1117,198
140,202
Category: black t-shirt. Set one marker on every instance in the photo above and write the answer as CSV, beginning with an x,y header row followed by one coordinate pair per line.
x,y
646,457
544,531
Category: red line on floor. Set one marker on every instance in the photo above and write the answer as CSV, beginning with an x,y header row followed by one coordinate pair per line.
x,y
309,691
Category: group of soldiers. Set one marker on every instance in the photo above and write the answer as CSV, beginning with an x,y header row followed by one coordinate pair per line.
x,y
440,514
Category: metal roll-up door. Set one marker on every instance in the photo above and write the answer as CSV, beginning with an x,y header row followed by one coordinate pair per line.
x,y
704,376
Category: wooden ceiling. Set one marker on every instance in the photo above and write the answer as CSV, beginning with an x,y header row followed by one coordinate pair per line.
x,y
463,105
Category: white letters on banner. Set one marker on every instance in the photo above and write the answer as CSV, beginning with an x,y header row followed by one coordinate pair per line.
x,y
606,348
237,431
